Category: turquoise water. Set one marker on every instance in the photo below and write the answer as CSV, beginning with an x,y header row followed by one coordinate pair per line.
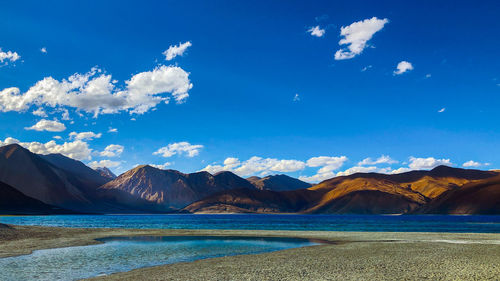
x,y
405,223
125,254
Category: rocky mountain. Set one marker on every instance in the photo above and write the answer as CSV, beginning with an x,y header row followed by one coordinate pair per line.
x,y
53,179
362,193
106,173
478,197
278,183
170,189
13,202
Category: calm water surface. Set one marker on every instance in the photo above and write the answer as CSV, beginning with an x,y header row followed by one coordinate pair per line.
x,y
125,254
423,223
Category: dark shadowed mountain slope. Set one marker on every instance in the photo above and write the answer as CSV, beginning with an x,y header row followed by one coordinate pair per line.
x,y
278,183
55,179
255,201
172,189
480,197
85,174
13,202
106,173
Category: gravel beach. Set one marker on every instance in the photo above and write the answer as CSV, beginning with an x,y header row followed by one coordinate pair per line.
x,y
346,256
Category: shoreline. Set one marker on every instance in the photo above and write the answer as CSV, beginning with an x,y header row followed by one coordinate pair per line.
x,y
347,255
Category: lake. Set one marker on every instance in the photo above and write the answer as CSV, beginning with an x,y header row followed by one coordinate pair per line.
x,y
127,253
391,223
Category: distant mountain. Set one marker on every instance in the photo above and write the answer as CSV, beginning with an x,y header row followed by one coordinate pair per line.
x,y
278,183
53,179
479,197
106,173
13,202
362,193
170,189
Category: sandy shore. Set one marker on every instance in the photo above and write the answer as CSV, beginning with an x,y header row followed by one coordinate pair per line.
x,y
352,256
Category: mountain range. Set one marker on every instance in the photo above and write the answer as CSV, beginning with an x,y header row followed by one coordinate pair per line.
x,y
45,184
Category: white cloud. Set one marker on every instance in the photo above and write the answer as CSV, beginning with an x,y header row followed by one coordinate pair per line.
x,y
104,163
357,35
256,164
328,164
77,149
179,148
442,110
296,98
48,125
57,137
84,135
161,166
176,50
400,170
363,169
112,130
43,50
93,92
428,75
384,159
39,112
8,56
112,150
335,162
472,163
427,163
316,31
402,67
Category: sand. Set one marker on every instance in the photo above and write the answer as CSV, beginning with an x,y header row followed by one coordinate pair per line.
x,y
350,256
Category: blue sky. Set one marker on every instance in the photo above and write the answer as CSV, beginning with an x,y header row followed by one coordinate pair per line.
x,y
255,81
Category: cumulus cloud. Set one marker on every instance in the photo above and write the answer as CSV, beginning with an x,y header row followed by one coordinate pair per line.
x,y
328,165
402,67
179,148
257,165
161,166
176,50
48,125
472,163
112,150
84,135
427,163
78,149
384,159
8,56
363,169
112,130
95,92
43,50
316,31
357,35
104,163
39,112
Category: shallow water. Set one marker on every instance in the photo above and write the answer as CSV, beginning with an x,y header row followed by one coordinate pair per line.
x,y
124,254
405,223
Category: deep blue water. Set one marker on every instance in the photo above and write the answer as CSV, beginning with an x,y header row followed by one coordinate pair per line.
x,y
414,223
127,253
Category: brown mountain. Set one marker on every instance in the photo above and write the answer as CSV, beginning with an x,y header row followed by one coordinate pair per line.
x,y
365,193
106,173
278,183
53,179
479,197
13,202
170,189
